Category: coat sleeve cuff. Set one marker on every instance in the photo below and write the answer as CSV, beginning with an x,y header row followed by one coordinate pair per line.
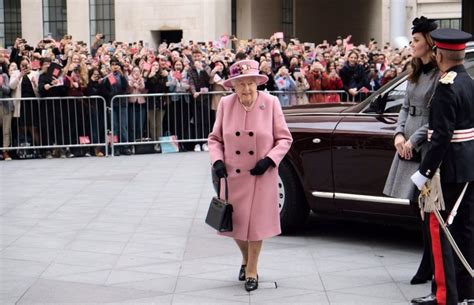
x,y
418,179
272,163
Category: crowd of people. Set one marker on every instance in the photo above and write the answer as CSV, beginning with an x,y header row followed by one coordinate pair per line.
x,y
68,68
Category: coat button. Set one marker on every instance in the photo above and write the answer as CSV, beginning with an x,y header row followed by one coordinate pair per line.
x,y
237,133
238,152
237,171
251,152
251,134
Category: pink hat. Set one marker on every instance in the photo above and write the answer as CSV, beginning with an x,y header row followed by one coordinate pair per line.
x,y
245,68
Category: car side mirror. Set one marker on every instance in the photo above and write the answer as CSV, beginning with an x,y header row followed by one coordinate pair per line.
x,y
378,104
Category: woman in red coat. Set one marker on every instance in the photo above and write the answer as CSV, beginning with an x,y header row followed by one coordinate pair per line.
x,y
249,139
318,81
334,83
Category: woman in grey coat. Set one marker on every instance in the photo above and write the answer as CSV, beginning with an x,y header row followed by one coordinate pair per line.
x,y
411,132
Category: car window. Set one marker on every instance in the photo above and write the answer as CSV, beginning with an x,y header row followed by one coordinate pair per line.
x,y
395,99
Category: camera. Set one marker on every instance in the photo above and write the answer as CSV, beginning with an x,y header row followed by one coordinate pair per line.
x,y
29,48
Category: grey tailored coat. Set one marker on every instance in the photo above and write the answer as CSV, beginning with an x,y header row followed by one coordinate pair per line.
x,y
413,124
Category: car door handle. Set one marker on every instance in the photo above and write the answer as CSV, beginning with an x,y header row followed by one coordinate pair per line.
x,y
316,140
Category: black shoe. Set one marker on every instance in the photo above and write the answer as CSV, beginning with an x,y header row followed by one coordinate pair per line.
x,y
242,273
426,300
251,283
419,279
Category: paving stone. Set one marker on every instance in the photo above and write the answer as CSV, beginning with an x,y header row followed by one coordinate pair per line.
x,y
130,230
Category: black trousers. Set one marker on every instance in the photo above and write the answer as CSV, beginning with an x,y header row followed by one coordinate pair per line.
x,y
452,283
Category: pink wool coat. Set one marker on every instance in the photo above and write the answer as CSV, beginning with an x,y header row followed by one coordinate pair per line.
x,y
240,139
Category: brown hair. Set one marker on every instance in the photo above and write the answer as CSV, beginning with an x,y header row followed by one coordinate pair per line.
x,y
416,64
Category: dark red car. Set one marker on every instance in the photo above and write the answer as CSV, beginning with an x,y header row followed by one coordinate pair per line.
x,y
341,156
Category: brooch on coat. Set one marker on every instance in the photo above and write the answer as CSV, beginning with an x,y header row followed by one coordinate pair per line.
x,y
448,78
262,106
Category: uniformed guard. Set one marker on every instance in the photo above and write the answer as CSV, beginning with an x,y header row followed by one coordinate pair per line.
x,y
451,150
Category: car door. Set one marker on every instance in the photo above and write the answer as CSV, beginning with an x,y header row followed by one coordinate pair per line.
x,y
312,147
362,155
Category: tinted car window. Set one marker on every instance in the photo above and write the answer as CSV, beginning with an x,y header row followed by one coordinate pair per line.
x,y
396,98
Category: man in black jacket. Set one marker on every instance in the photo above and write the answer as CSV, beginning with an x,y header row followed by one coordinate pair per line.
x,y
451,136
199,82
117,84
55,115
156,83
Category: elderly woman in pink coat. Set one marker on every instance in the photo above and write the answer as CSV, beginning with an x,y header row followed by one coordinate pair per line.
x,y
249,139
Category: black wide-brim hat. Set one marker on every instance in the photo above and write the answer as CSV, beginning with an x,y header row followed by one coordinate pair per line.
x,y
423,25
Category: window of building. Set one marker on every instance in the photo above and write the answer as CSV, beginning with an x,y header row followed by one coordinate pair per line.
x,y
54,18
10,22
453,23
287,22
102,18
234,17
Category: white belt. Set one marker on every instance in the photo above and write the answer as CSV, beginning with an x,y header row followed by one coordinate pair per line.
x,y
460,135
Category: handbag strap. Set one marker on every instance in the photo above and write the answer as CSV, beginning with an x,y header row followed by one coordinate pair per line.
x,y
226,190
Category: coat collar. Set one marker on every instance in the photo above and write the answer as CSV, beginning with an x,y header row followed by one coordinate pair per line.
x,y
458,69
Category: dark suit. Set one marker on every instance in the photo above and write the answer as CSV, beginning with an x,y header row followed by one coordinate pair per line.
x,y
452,111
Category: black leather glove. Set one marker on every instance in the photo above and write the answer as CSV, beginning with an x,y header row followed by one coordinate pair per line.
x,y
219,168
261,166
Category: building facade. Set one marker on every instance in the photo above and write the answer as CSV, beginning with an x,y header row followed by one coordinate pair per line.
x,y
154,21
316,20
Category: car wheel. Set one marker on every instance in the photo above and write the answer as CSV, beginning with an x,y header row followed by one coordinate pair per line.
x,y
293,207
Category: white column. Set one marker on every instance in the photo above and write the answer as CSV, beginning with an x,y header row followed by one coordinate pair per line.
x,y
32,20
397,23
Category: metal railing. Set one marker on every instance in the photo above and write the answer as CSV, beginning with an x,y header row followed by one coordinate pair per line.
x,y
292,98
129,121
50,123
151,116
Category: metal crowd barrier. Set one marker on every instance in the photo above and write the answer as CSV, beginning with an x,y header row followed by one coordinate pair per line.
x,y
130,122
162,118
141,119
292,98
44,124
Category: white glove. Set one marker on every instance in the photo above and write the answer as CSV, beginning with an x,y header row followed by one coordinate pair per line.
x,y
418,179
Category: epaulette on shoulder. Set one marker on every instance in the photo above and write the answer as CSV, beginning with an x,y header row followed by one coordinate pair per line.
x,y
448,78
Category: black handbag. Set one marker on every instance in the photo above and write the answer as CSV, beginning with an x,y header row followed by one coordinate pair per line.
x,y
219,215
